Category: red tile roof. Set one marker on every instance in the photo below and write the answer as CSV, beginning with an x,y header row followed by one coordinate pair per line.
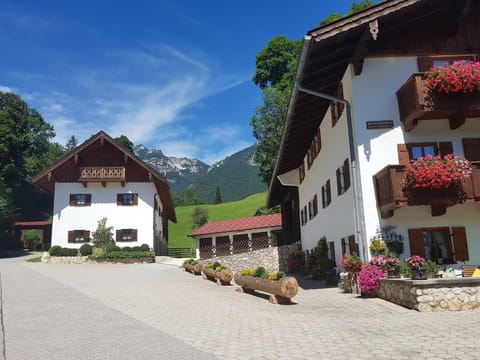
x,y
33,223
254,222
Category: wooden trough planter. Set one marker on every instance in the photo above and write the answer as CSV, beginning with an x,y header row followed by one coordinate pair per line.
x,y
194,269
223,277
281,291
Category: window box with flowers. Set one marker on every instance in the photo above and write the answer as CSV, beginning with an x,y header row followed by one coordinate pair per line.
x,y
432,180
460,77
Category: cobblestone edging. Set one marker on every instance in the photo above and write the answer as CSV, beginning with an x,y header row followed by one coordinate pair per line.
x,y
433,294
65,259
272,259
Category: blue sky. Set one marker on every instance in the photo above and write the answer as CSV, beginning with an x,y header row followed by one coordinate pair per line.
x,y
172,75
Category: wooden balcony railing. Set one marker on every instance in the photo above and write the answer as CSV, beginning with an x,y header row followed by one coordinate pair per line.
x,y
389,193
417,102
102,174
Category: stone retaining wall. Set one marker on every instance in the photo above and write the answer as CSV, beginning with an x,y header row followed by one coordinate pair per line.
x,y
272,259
65,259
432,294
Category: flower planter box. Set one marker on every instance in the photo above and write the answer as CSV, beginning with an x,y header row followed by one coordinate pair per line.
x,y
223,277
282,290
440,197
194,269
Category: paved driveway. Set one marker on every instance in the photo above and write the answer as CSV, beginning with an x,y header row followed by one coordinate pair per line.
x,y
159,312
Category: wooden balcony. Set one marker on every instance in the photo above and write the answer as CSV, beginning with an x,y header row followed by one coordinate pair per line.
x,y
389,193
102,174
416,102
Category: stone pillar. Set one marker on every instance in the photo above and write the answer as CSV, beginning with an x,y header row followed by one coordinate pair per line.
x,y
197,250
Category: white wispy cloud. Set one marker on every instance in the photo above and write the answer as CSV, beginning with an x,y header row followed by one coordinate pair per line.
x,y
5,89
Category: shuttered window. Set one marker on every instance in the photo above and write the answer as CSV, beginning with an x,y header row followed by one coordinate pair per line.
x,y
80,199
344,247
412,151
337,108
127,199
301,171
315,205
346,174
471,149
332,250
126,235
329,192
78,236
352,245
440,244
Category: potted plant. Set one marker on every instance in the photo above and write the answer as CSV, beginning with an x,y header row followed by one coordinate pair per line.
x,y
350,265
416,265
390,265
217,272
368,279
459,77
432,179
193,266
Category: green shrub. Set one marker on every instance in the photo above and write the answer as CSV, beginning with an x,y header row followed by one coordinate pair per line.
x,y
319,261
191,262
123,255
216,264
126,248
144,247
103,236
136,248
261,272
86,249
112,247
68,252
405,270
55,250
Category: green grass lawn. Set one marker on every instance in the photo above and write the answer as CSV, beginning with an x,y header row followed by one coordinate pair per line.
x,y
177,237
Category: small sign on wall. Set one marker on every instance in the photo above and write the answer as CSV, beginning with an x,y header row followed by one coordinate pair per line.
x,y
380,124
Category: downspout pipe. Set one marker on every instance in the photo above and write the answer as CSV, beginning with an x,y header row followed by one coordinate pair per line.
x,y
358,214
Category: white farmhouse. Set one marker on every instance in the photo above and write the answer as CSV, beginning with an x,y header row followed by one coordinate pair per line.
x,y
360,111
101,179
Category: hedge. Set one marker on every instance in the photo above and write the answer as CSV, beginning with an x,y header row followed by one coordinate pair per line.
x,y
60,251
123,255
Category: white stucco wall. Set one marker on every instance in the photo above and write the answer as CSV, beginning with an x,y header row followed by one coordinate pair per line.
x,y
336,220
374,98
104,204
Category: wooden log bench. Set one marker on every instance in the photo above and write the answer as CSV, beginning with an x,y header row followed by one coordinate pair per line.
x,y
281,291
468,270
195,269
223,277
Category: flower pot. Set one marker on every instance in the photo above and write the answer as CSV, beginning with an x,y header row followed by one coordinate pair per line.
x,y
419,274
393,273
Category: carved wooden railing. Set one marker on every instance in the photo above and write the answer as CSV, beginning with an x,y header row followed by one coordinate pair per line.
x,y
389,194
417,102
102,173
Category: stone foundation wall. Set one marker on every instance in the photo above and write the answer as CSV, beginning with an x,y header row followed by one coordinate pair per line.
x,y
433,294
65,259
272,259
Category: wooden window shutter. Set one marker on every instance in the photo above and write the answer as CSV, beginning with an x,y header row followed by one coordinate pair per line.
x,y
135,199
319,141
445,148
73,199
346,174
324,198
460,245
351,244
119,199
89,199
310,210
134,234
471,149
424,64
344,247
315,205
332,250
329,193
403,156
86,235
118,235
339,183
340,95
71,236
334,114
417,246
